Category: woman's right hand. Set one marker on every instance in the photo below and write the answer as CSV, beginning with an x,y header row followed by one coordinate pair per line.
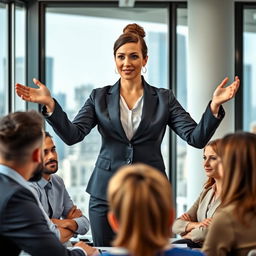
x,y
192,225
41,95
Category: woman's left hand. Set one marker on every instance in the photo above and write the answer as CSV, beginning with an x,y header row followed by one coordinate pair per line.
x,y
185,217
223,94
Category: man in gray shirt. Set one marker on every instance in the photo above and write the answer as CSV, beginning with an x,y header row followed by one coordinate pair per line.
x,y
53,195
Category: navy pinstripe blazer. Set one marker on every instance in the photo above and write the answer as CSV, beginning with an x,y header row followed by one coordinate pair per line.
x,y
159,110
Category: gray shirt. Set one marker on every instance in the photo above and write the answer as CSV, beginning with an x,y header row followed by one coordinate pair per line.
x,y
59,200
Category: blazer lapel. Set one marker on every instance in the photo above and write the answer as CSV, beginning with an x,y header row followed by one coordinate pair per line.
x,y
113,106
214,207
203,205
149,106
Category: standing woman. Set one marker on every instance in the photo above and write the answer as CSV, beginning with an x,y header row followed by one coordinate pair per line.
x,y
193,225
233,229
131,117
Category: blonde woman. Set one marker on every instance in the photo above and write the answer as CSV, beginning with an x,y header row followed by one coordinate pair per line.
x,y
233,230
141,213
193,225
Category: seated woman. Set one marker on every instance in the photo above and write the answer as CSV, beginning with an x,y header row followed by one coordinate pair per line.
x,y
233,229
141,213
192,226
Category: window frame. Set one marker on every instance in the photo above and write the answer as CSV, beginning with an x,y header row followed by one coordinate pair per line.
x,y
239,30
11,51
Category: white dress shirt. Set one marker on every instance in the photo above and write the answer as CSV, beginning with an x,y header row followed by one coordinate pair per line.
x,y
130,118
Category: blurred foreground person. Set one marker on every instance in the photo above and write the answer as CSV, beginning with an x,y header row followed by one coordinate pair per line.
x,y
233,229
141,213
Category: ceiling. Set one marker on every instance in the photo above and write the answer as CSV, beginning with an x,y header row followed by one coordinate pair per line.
x,y
140,14
146,14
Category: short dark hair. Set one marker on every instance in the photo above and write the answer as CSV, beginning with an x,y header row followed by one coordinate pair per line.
x,y
47,134
19,132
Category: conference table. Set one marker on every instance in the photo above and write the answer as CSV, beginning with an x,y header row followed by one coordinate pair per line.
x,y
102,249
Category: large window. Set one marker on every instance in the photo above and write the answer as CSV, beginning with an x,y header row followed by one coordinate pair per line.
x,y
3,60
79,57
249,70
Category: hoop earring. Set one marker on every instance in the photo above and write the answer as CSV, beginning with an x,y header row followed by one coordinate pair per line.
x,y
144,70
116,72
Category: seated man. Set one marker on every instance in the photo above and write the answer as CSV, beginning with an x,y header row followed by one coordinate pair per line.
x,y
53,195
24,226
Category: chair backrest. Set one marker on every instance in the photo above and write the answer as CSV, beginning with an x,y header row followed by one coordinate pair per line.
x,y
252,252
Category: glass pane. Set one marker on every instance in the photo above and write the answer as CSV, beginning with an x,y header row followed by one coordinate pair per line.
x,y
20,53
3,60
182,39
249,70
79,58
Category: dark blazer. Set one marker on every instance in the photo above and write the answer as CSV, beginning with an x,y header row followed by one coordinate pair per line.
x,y
159,110
23,226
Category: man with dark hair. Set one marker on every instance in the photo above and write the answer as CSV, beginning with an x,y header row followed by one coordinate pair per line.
x,y
53,195
23,226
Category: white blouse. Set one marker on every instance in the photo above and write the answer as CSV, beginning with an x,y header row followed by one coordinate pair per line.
x,y
130,118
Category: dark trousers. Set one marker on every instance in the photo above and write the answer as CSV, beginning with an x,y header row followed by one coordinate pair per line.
x,y
102,233
189,243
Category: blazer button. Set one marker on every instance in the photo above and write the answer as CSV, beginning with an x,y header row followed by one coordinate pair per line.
x,y
129,161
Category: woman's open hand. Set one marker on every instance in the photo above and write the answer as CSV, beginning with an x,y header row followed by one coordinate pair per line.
x,y
39,95
223,94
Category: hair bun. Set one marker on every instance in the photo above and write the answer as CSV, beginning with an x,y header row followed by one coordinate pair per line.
x,y
135,29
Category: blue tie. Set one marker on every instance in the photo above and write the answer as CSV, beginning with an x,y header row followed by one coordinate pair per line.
x,y
47,188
